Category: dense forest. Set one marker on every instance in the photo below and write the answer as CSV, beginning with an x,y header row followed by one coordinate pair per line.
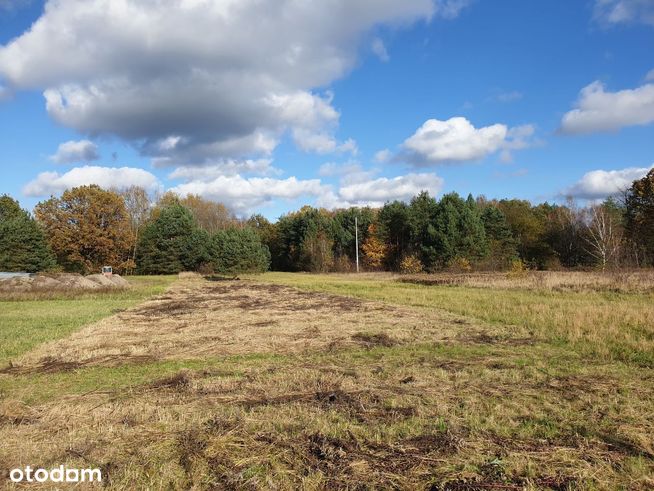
x,y
89,227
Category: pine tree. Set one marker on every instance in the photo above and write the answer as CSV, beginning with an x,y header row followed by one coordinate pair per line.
x,y
172,243
235,251
502,244
22,243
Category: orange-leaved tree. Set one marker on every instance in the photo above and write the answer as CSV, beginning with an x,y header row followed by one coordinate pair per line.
x,y
374,249
87,228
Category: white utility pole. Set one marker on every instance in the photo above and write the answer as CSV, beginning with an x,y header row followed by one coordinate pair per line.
x,y
356,235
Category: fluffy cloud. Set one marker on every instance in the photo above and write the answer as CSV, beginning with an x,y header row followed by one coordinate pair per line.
x,y
599,184
197,80
72,152
245,195
228,167
322,143
376,192
624,11
457,140
598,110
49,183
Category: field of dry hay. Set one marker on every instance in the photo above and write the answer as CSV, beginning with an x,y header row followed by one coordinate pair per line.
x,y
251,385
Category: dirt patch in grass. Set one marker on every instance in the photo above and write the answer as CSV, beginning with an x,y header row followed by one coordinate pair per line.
x,y
477,337
371,340
179,381
553,483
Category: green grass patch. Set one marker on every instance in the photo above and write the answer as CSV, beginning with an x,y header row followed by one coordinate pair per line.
x,y
25,324
598,324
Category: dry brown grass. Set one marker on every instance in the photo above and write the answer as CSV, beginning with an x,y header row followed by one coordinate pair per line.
x,y
598,319
641,281
320,391
197,319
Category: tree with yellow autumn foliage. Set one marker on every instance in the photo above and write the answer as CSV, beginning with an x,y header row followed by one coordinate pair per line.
x,y
374,249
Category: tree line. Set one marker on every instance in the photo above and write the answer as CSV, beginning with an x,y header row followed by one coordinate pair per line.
x,y
89,227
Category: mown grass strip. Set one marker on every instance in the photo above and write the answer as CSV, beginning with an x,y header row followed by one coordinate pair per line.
x,y
25,324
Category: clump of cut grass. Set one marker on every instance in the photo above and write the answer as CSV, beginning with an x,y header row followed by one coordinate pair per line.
x,y
371,340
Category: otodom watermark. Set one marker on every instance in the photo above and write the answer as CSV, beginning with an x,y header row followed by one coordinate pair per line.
x,y
56,474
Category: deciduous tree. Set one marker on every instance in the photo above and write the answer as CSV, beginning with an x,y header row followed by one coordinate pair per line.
x,y
374,249
139,208
639,203
603,235
87,228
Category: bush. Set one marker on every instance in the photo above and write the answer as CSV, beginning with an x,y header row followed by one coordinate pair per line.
x,y
343,264
460,265
411,265
517,269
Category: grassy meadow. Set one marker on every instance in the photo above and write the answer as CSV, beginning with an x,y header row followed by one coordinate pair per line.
x,y
610,317
287,381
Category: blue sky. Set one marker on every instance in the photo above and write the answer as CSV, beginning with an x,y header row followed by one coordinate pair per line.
x,y
340,103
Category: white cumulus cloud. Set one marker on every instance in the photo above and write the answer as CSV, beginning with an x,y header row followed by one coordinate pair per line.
x,y
457,140
376,192
598,110
192,81
52,183
245,195
229,167
600,184
72,152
